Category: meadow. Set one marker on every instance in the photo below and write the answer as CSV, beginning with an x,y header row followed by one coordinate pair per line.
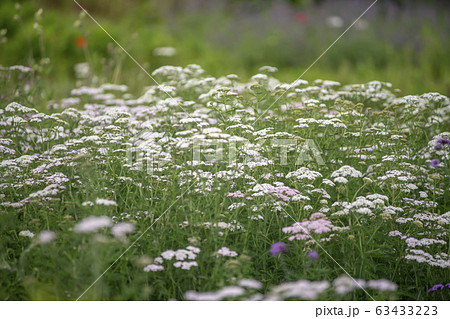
x,y
199,184
208,188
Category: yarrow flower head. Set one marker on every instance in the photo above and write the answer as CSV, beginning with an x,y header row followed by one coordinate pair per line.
x,y
153,267
92,223
106,202
278,248
317,224
26,233
119,230
46,236
225,251
236,194
250,283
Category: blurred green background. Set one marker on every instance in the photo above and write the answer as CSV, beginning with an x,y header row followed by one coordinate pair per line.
x,y
402,42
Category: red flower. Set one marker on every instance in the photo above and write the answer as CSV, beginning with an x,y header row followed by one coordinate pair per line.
x,y
301,17
80,42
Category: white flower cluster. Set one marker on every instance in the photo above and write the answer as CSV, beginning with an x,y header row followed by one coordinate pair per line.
x,y
225,251
105,202
441,260
346,171
364,205
224,293
245,287
304,173
345,284
92,224
400,179
49,190
121,229
46,236
185,259
26,233
164,51
334,122
302,289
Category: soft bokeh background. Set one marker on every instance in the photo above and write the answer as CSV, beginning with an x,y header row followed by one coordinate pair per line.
x,y
402,42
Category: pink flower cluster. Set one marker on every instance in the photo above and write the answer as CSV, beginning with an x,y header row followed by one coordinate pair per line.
x,y
317,224
237,194
283,192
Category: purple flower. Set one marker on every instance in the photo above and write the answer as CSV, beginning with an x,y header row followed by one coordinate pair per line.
x,y
448,285
435,163
313,254
438,147
443,140
436,287
277,248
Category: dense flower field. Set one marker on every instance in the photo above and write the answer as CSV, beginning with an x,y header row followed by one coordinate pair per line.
x,y
211,189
